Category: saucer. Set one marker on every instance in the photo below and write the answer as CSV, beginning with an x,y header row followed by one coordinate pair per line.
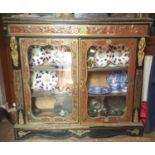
x,y
99,90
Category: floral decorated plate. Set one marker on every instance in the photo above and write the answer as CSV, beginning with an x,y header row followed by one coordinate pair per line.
x,y
44,80
120,55
101,57
37,56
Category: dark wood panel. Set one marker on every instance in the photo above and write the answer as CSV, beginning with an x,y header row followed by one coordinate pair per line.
x,y
6,66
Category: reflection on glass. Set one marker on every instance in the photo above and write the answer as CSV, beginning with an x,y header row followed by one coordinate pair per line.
x,y
51,80
108,55
108,106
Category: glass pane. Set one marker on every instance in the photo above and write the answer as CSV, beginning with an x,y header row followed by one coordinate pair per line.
x,y
106,106
51,80
107,81
108,56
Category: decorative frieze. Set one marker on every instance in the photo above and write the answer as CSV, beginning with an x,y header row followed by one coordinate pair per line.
x,y
77,30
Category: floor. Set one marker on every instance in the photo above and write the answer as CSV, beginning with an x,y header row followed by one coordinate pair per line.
x,y
6,135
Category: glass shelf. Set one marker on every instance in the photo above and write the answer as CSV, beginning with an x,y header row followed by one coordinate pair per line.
x,y
109,68
49,93
48,68
109,94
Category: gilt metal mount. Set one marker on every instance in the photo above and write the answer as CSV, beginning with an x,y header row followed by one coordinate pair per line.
x,y
14,52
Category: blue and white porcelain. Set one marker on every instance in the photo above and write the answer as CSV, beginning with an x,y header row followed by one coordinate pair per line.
x,y
123,87
37,56
113,80
115,87
118,81
101,57
108,55
105,90
59,56
99,90
124,82
44,80
119,56
125,58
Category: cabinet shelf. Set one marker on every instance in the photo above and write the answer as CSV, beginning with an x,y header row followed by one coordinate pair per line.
x,y
109,94
49,93
108,68
48,68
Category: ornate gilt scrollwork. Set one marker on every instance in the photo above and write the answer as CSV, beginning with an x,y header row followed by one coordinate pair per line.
x,y
79,132
141,47
14,52
134,132
23,133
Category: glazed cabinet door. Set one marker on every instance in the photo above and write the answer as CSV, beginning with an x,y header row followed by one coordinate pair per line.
x,y
50,79
107,73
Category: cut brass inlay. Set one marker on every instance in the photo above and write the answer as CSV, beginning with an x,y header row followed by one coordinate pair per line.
x,y
136,118
83,30
141,47
76,30
109,41
106,119
14,52
21,119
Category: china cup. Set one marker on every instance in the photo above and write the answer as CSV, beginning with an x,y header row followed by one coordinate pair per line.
x,y
123,82
113,81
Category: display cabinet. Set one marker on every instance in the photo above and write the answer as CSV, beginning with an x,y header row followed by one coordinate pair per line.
x,y
77,77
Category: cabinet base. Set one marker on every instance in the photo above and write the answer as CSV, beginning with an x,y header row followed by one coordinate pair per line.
x,y
92,132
